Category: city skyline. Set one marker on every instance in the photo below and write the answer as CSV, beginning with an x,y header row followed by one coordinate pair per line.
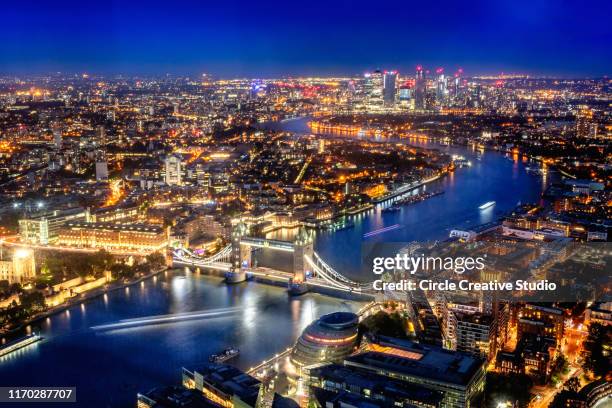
x,y
237,39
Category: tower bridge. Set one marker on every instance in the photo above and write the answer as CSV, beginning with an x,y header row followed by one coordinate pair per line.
x,y
309,270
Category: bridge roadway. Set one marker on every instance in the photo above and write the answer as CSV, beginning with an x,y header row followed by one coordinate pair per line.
x,y
324,276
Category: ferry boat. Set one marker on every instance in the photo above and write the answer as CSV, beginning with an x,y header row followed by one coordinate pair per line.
x,y
297,288
19,343
225,355
487,205
417,198
393,208
340,225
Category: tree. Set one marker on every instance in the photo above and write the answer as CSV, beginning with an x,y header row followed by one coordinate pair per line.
x,y
507,387
385,324
156,260
4,285
32,301
573,384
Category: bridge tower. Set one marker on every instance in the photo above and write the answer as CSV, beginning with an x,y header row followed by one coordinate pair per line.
x,y
303,246
240,256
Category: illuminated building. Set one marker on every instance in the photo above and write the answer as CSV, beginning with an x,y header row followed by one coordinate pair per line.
x,y
57,138
389,85
584,123
101,135
373,89
101,168
541,321
458,377
173,166
599,313
21,268
172,397
419,88
43,229
476,334
441,87
228,387
109,236
405,97
337,386
533,356
331,338
321,146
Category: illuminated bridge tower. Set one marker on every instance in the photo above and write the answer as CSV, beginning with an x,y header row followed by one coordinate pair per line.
x,y
241,255
303,246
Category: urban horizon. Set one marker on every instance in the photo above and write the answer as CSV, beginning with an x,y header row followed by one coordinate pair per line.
x,y
318,205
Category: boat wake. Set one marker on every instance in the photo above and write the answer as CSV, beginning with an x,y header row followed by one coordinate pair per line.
x,y
168,318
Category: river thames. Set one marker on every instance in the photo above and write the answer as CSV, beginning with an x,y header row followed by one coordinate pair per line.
x,y
109,365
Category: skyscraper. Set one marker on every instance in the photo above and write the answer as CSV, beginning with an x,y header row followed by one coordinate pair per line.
x,y
389,85
101,166
101,135
173,167
441,86
57,138
419,88
584,122
373,88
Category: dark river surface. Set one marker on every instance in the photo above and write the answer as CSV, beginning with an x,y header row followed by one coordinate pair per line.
x,y
109,365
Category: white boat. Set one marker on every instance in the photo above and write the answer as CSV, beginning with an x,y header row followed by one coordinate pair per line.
x,y
487,205
19,343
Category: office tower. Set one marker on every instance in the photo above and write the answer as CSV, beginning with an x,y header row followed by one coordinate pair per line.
x,y
57,138
389,84
441,86
173,167
101,167
373,88
101,135
321,147
584,122
419,88
456,86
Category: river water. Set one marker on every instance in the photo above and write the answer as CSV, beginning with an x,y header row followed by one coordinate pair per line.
x,y
109,365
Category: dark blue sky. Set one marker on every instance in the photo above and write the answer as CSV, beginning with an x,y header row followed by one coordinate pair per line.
x,y
266,38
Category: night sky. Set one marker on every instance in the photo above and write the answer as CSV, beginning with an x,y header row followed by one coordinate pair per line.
x,y
271,38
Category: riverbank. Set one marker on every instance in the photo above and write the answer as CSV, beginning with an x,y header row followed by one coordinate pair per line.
x,y
94,293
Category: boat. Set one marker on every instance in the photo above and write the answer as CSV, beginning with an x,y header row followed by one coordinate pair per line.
x,y
19,343
340,225
487,205
393,208
413,199
225,355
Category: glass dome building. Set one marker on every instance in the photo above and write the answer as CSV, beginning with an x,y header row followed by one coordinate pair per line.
x,y
331,338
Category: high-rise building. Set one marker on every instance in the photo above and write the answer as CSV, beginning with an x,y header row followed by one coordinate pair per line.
x,y
57,138
405,97
101,135
373,88
584,123
476,334
389,86
441,87
174,168
419,88
101,169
